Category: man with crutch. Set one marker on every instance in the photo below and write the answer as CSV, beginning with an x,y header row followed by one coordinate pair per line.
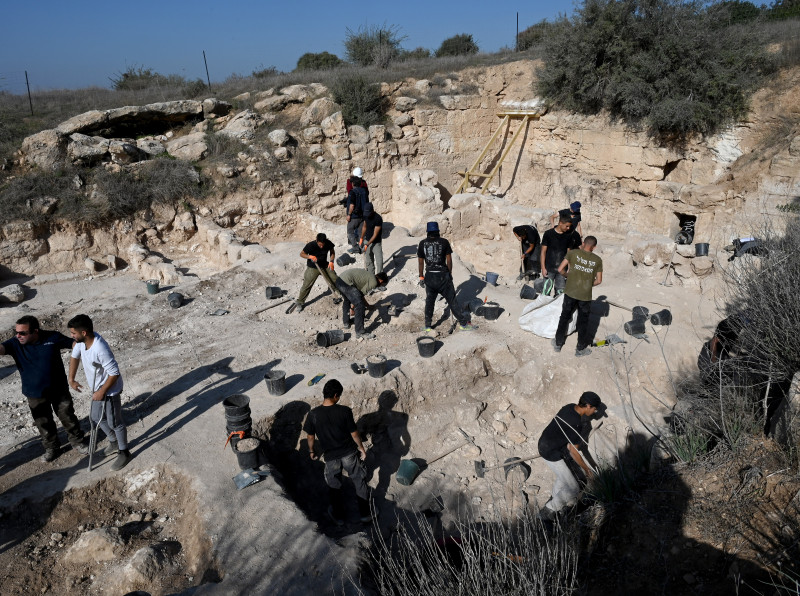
x,y
102,372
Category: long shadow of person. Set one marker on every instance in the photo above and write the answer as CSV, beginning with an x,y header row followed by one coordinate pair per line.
x,y
391,440
221,382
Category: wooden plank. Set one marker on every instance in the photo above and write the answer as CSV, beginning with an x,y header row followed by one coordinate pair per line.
x,y
477,163
522,125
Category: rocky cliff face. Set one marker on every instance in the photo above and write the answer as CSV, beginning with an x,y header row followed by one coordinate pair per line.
x,y
301,153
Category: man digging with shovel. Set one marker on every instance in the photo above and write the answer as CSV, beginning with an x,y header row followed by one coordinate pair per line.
x,y
354,284
562,439
102,371
320,250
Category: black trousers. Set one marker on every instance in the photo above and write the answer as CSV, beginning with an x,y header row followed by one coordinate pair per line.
x,y
441,283
351,295
60,402
584,309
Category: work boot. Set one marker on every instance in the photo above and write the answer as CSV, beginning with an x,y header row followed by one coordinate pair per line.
x,y
346,325
300,306
49,455
583,352
427,329
467,327
365,335
122,460
111,449
556,347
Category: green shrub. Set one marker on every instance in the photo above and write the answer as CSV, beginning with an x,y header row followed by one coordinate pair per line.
x,y
318,61
668,65
784,9
138,77
537,34
360,99
21,195
373,45
415,54
458,45
265,72
159,181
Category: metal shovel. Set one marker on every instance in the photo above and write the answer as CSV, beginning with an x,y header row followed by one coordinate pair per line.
x,y
481,469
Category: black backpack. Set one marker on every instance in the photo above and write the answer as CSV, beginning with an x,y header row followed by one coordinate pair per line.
x,y
358,197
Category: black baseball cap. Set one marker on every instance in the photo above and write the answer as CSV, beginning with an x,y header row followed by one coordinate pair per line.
x,y
590,398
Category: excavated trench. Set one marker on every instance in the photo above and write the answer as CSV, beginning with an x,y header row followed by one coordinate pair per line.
x,y
138,532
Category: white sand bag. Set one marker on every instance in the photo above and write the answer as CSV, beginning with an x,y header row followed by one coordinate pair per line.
x,y
541,316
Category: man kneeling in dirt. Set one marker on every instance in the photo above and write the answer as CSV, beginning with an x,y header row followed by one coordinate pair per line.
x,y
562,439
37,354
354,284
340,443
102,373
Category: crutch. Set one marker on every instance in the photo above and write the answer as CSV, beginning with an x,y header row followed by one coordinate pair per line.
x,y
93,428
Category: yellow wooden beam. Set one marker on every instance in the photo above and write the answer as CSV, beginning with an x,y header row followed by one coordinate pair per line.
x,y
522,125
463,186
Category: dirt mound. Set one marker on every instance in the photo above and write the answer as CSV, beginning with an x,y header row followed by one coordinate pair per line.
x,y
136,532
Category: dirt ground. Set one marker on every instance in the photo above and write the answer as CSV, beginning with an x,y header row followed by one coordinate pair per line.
x,y
498,384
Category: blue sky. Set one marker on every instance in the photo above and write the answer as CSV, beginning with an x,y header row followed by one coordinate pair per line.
x,y
82,43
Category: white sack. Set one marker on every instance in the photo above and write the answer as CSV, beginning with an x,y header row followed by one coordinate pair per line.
x,y
541,316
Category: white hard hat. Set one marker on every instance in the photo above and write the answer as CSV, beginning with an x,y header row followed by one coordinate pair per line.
x,y
358,172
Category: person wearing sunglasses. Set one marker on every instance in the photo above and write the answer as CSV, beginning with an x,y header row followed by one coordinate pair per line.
x,y
37,354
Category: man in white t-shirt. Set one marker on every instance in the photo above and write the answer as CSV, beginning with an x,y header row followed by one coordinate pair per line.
x,y
102,373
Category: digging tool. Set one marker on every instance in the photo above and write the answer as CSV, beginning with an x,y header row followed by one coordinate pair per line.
x,y
336,297
619,306
409,470
258,312
521,263
481,469
239,433
291,308
669,267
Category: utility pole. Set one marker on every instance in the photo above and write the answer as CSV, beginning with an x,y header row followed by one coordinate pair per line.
x,y
516,47
27,84
207,77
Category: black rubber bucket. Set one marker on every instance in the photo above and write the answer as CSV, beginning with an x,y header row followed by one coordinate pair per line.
x,y
330,338
376,365
247,453
662,317
271,292
236,405
528,293
344,260
640,312
276,382
701,249
245,424
635,327
426,346
175,299
491,310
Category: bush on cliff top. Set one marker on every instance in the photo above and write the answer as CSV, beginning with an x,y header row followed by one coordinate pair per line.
x,y
674,67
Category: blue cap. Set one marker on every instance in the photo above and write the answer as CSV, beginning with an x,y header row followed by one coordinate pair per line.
x,y
369,209
433,226
576,206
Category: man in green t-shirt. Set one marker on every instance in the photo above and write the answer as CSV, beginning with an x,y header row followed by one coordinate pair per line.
x,y
354,284
585,271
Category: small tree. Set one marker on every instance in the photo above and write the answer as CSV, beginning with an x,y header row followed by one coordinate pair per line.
x,y
318,61
373,45
264,72
458,45
135,78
